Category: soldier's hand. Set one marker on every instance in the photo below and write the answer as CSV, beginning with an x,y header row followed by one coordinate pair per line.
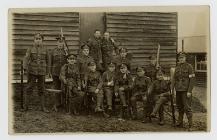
x,y
79,88
121,89
144,98
189,94
64,82
116,94
97,91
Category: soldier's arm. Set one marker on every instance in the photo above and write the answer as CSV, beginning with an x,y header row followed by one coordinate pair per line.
x,y
104,77
78,78
63,74
26,59
48,56
99,86
191,79
116,85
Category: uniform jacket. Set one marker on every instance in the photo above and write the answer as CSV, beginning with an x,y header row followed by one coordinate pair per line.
x,y
95,49
93,79
37,60
118,60
108,77
184,77
83,63
109,49
126,83
70,74
151,72
141,85
58,59
159,87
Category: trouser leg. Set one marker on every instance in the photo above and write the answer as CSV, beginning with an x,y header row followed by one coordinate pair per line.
x,y
41,87
109,95
123,98
187,108
29,90
180,107
57,85
99,99
159,103
133,100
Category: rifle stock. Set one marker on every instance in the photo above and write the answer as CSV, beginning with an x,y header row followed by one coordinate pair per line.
x,y
172,72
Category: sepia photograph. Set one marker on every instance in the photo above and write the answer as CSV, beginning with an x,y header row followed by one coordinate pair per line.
x,y
109,69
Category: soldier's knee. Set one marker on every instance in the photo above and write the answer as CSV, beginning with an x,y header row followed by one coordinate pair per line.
x,y
133,99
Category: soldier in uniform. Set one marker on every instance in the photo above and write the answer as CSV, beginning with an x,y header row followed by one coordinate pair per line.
x,y
122,58
184,81
70,77
58,59
152,68
94,90
95,49
109,50
82,61
108,79
161,91
140,90
123,87
37,63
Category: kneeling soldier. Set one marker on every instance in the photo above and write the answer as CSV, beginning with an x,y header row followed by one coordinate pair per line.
x,y
70,77
108,79
161,91
94,87
123,86
140,89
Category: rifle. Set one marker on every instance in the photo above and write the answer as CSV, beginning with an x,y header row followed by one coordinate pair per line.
x,y
172,71
158,56
21,84
67,98
66,48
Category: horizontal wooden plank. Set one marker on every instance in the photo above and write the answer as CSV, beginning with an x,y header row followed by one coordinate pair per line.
x,y
112,25
142,14
49,14
46,42
147,39
140,30
47,27
144,34
42,23
49,19
24,47
44,32
147,55
145,51
47,36
140,18
133,23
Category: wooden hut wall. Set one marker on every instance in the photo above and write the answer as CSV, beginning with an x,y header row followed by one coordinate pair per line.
x,y
140,33
25,25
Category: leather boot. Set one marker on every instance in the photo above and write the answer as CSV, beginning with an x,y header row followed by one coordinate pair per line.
x,y
43,104
180,120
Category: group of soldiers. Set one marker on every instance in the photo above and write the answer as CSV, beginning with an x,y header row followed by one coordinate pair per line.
x,y
100,73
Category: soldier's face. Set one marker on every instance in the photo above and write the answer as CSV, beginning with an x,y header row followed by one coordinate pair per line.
x,y
60,44
92,68
182,59
38,40
106,35
97,34
111,69
71,60
140,73
160,76
123,54
86,52
123,70
153,62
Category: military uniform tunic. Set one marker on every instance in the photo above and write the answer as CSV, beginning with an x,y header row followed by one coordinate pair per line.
x,y
118,60
151,71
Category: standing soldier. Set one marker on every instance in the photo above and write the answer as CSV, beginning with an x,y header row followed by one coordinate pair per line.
x,y
123,87
94,87
184,81
108,79
122,58
161,92
140,90
58,59
83,60
70,77
109,50
95,49
152,68
37,63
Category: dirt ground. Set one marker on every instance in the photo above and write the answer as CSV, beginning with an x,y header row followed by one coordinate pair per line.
x,y
35,121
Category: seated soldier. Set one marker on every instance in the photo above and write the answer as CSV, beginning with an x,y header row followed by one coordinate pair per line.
x,y
108,79
123,86
161,91
69,75
93,82
139,91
